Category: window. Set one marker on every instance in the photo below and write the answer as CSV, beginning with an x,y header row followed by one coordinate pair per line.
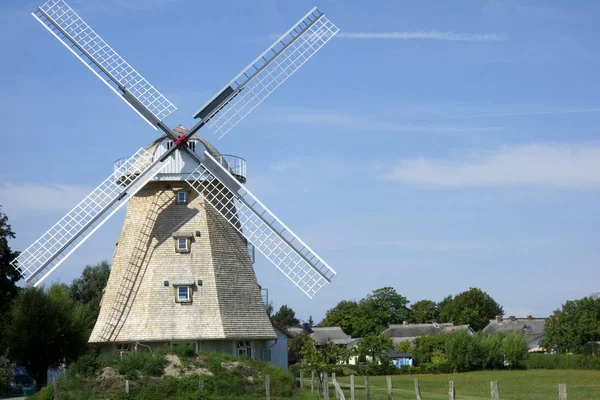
x,y
182,244
183,294
266,355
191,145
244,348
181,197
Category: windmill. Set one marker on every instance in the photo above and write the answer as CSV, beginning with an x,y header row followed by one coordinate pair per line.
x,y
190,217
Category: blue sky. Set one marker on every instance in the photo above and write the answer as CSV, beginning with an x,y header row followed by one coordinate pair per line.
x,y
432,147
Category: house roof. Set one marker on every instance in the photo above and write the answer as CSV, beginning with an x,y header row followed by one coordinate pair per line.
x,y
417,330
323,334
345,342
532,327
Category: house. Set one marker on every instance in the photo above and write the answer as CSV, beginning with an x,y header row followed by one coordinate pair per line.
x,y
323,334
532,328
277,352
400,359
406,332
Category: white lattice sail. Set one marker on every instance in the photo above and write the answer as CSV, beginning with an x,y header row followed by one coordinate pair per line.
x,y
294,258
72,31
269,70
60,241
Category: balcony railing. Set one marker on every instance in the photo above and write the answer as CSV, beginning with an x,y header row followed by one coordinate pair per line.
x,y
236,165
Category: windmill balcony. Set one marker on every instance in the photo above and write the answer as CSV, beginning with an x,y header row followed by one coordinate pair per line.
x,y
235,165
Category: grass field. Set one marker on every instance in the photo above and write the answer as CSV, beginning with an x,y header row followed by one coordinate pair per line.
x,y
513,385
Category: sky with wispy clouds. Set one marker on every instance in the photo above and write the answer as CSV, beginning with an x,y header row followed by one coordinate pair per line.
x,y
432,146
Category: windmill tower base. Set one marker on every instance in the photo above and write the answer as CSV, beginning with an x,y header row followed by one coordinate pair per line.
x,y
181,274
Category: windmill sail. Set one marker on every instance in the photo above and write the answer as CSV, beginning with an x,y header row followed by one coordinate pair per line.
x,y
73,32
269,70
60,241
261,227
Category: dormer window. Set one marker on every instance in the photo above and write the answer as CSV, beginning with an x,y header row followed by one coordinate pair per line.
x,y
181,197
183,294
182,244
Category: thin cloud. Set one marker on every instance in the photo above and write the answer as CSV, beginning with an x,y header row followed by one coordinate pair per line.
x,y
283,166
41,197
355,121
553,165
425,35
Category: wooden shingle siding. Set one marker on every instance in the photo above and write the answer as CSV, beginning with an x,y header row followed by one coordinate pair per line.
x,y
227,305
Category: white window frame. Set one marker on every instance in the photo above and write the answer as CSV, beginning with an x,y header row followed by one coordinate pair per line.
x,y
178,241
244,348
179,200
188,299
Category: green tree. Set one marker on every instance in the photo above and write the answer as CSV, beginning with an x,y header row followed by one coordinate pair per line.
x,y
382,307
310,322
344,315
423,311
321,357
285,317
374,346
462,351
87,291
8,275
46,329
514,347
474,307
575,324
296,347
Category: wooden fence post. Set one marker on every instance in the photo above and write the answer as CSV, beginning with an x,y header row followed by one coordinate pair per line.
x,y
494,390
352,387
55,390
562,391
368,391
301,379
201,383
268,386
334,380
339,393
126,386
325,386
388,381
451,391
417,390
312,381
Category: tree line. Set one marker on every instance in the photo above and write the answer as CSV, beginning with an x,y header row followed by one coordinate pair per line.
x,y
45,326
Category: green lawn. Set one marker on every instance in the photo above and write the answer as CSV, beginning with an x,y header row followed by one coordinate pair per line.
x,y
513,385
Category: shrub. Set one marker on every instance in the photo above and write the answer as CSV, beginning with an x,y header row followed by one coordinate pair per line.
x,y
135,366
85,366
514,346
462,351
426,345
562,361
491,350
7,371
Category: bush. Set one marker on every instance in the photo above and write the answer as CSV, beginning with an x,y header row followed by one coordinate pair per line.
x,y
462,351
563,361
7,371
136,366
491,351
86,366
514,346
426,345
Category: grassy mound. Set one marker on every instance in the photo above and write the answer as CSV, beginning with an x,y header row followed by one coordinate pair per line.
x,y
160,375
